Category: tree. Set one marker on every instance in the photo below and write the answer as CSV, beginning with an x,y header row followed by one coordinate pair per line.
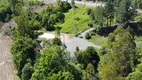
x,y
121,49
109,73
109,11
13,3
97,16
4,10
75,69
134,76
139,67
125,11
56,41
22,20
53,59
62,76
27,71
89,73
87,36
64,5
60,17
22,49
88,56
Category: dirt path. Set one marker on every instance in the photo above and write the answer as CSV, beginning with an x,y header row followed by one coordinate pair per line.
x,y
6,65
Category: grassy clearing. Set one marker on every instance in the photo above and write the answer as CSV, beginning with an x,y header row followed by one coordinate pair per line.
x,y
99,40
76,20
138,41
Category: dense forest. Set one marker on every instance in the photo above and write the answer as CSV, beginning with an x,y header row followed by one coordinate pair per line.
x,y
118,23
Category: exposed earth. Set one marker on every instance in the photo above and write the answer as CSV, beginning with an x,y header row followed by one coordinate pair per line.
x,y
6,65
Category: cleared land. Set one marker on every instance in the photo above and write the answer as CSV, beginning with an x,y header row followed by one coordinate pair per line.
x,y
6,65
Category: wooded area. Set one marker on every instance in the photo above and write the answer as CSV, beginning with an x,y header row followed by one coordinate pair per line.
x,y
119,22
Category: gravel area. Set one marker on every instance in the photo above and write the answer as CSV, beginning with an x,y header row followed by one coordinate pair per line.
x,y
81,43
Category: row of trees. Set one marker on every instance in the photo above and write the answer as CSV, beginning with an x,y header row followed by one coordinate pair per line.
x,y
121,11
120,61
24,46
25,49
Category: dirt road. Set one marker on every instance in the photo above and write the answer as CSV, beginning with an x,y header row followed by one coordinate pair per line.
x,y
6,65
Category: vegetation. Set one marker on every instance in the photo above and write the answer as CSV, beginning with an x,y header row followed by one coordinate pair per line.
x,y
5,10
99,40
76,20
117,30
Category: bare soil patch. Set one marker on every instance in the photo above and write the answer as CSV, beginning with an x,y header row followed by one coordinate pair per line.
x,y
6,64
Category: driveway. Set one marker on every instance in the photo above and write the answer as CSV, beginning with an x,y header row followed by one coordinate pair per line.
x,y
84,33
81,43
72,42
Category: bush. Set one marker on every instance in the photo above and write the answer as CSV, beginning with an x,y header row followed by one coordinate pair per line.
x,y
60,17
27,71
7,18
88,56
5,12
56,41
77,18
87,36
36,25
90,24
64,5
89,11
41,3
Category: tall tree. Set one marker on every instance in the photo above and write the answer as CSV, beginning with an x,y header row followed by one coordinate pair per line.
x,y
88,56
97,16
52,60
22,49
125,11
27,72
121,49
89,73
109,11
22,20
134,76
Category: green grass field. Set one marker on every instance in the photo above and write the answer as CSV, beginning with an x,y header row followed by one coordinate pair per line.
x,y
98,40
76,20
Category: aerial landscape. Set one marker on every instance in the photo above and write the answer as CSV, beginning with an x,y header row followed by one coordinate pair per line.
x,y
70,39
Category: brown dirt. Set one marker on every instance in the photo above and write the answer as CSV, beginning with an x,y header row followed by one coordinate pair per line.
x,y
6,64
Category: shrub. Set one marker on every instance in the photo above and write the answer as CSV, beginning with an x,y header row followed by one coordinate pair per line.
x,y
64,5
56,41
36,25
87,36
